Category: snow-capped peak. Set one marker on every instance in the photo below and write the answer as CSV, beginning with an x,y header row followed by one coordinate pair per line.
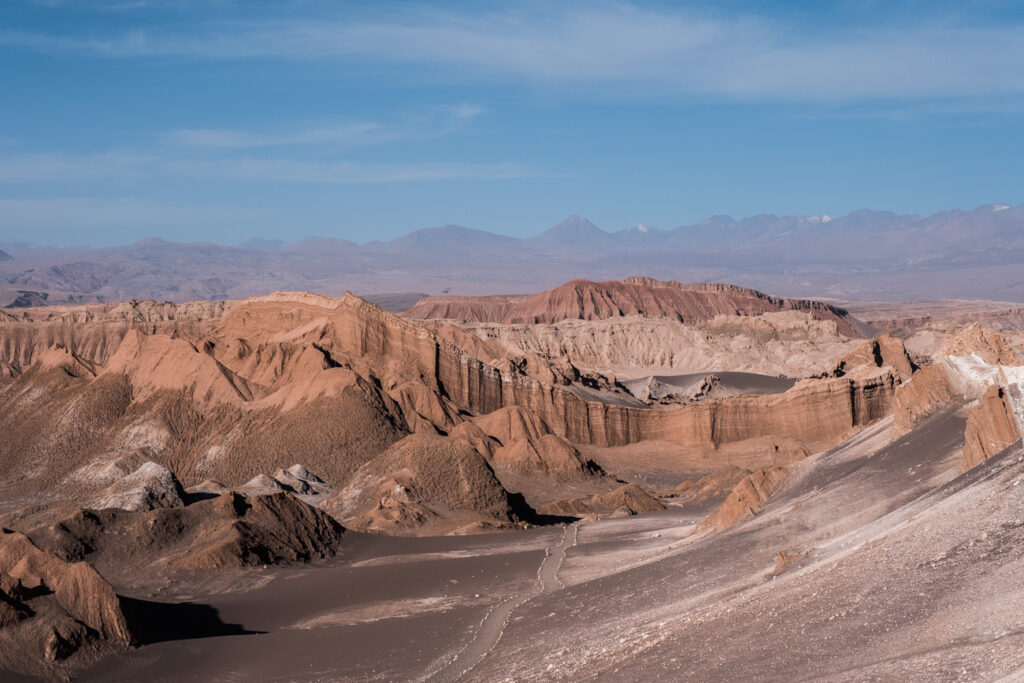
x,y
999,207
642,228
824,218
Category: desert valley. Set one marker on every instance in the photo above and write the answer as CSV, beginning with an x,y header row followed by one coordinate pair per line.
x,y
491,342
604,480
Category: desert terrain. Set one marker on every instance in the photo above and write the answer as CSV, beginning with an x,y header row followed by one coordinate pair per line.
x,y
620,341
605,480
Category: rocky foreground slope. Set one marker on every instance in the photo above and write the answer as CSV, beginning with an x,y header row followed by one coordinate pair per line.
x,y
154,441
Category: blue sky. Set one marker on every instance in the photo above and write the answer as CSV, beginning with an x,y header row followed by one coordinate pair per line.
x,y
220,120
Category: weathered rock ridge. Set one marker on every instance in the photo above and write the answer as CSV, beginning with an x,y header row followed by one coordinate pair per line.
x,y
336,382
787,342
930,390
587,300
50,609
991,427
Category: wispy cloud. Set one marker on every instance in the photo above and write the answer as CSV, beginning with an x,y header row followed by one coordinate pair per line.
x,y
465,111
678,50
345,135
46,168
428,123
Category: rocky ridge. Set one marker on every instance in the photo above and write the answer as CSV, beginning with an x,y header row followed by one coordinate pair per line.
x,y
635,296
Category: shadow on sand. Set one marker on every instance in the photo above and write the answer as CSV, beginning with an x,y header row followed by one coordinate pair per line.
x,y
527,514
155,622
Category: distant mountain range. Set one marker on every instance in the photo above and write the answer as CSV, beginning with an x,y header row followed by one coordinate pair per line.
x,y
864,255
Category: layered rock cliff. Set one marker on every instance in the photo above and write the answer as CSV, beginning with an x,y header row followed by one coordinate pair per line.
x,y
93,332
930,390
882,351
336,382
991,427
792,343
587,300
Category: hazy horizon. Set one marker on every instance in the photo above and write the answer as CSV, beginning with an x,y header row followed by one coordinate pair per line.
x,y
524,234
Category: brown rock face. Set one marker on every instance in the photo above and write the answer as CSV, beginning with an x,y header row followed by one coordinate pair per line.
x,y
229,530
882,351
792,343
718,484
513,423
587,300
52,608
525,446
157,362
547,456
746,499
930,389
92,333
991,427
434,481
335,382
813,413
624,501
632,497
988,344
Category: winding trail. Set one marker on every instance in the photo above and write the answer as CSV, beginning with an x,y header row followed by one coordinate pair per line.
x,y
497,619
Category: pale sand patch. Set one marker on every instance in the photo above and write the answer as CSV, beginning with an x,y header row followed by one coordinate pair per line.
x,y
392,609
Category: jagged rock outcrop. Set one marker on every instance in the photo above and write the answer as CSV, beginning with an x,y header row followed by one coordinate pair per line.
x,y
513,423
631,497
547,456
746,499
156,362
792,343
624,501
148,487
930,390
195,415
52,608
991,427
587,300
717,484
338,365
522,445
882,351
91,333
296,480
988,345
301,481
229,530
422,480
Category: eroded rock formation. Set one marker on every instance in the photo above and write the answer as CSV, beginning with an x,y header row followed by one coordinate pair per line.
x,y
882,351
228,530
424,481
50,608
991,427
930,390
587,300
746,499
